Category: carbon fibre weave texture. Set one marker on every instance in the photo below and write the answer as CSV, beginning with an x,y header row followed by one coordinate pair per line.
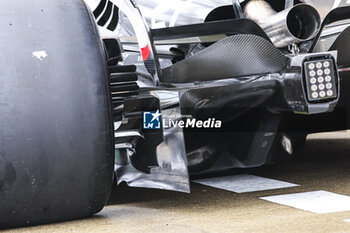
x,y
234,56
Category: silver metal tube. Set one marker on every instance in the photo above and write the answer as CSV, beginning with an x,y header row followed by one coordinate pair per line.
x,y
296,24
237,9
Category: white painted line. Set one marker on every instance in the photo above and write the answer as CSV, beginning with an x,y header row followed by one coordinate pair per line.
x,y
346,220
319,202
40,54
244,183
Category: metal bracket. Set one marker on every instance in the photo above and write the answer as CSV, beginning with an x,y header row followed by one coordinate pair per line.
x,y
144,37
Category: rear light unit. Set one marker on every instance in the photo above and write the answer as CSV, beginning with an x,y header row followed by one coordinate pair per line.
x,y
320,79
311,85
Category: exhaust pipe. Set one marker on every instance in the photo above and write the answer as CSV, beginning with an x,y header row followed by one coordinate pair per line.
x,y
293,25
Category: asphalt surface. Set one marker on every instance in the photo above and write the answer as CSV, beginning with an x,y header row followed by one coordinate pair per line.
x,y
324,164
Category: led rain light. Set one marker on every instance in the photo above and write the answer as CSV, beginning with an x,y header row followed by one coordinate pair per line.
x,y
321,79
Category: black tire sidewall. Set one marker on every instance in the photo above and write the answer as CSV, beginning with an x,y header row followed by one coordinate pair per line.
x,y
56,137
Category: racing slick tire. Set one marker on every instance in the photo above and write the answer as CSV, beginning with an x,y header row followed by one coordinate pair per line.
x,y
56,131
